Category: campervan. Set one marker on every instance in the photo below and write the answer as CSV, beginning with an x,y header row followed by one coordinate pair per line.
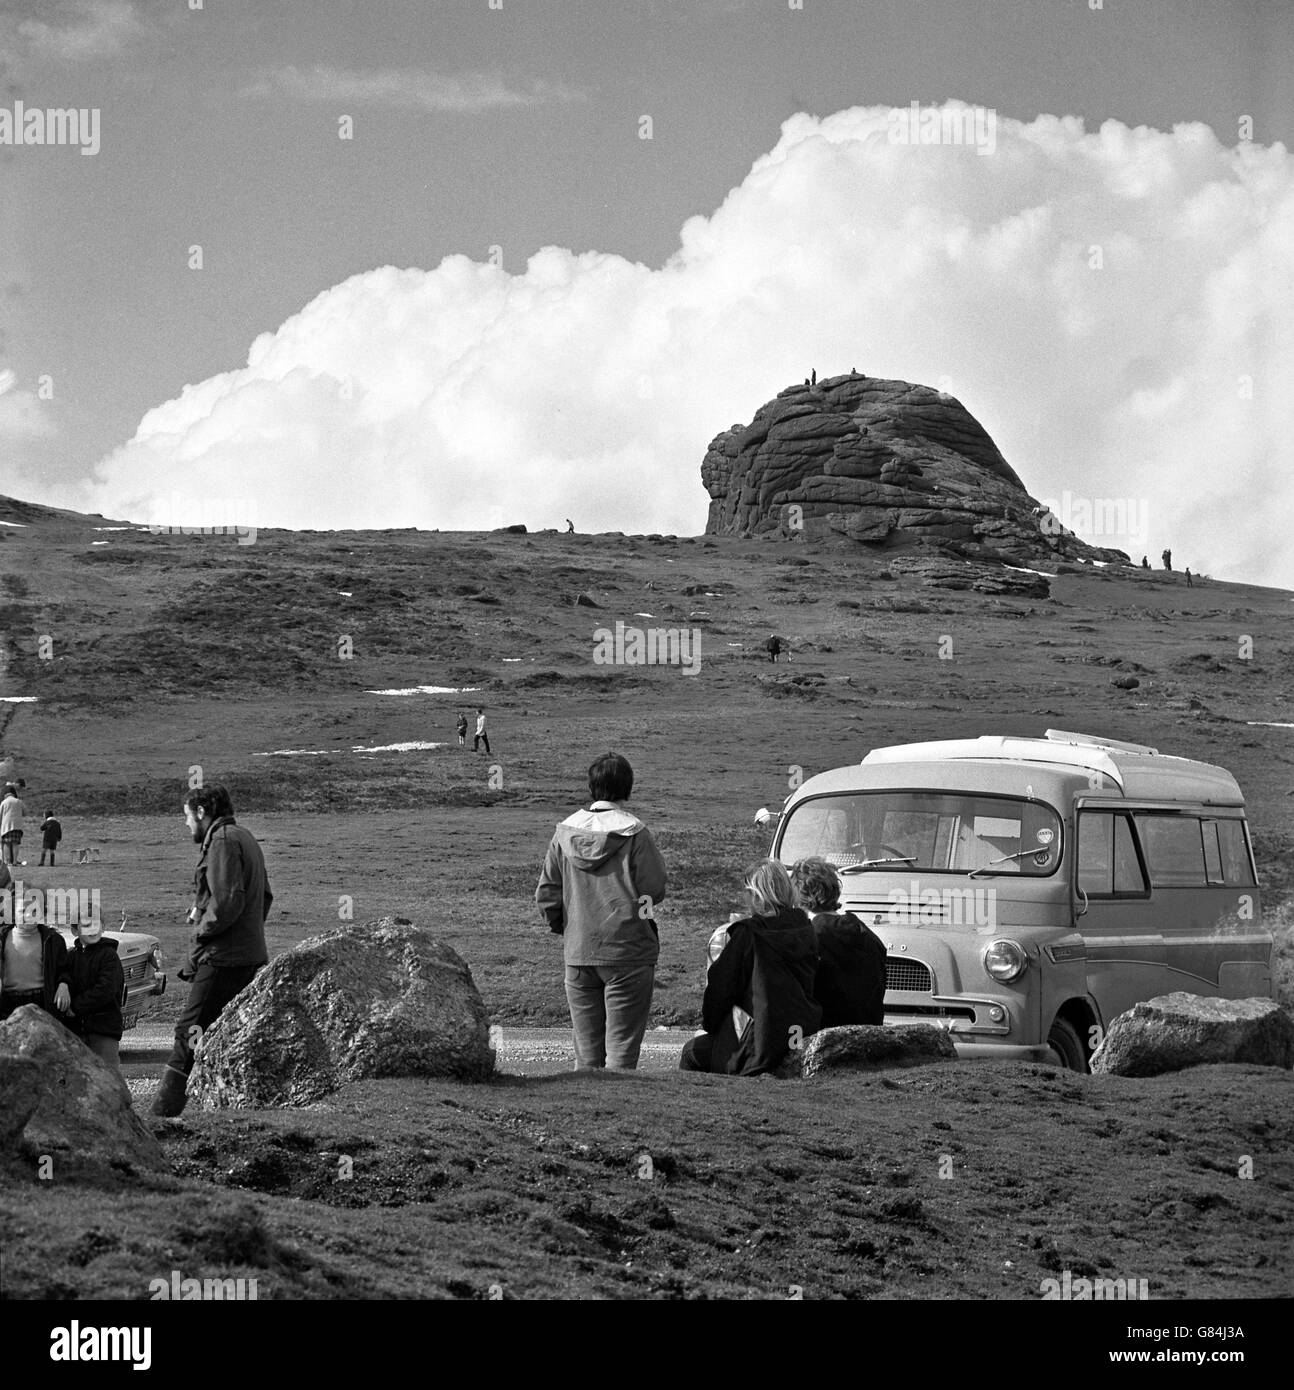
x,y
1028,891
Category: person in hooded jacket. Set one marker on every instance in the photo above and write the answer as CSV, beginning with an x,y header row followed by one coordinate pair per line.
x,y
766,970
601,879
98,983
850,979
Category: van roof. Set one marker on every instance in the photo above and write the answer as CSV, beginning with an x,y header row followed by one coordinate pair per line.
x,y
1138,771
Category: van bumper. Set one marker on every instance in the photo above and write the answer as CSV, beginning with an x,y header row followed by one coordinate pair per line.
x,y
975,1048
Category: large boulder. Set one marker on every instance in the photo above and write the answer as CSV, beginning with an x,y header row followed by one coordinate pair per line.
x,y
1187,1030
78,1109
871,1047
382,999
887,463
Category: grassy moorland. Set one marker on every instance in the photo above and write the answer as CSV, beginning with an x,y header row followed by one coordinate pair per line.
x,y
169,653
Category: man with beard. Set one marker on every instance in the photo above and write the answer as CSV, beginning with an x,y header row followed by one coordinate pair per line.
x,y
231,901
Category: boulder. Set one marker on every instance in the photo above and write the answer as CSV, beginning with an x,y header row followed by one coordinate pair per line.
x,y
871,1047
1188,1030
78,1109
382,999
889,464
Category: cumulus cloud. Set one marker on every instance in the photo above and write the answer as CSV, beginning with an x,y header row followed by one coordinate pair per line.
x,y
1115,306
21,416
413,88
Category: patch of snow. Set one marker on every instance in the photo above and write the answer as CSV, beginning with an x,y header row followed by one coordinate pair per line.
x,y
397,747
1019,569
512,658
297,753
17,699
112,528
346,593
100,542
1267,724
428,690
21,525
644,615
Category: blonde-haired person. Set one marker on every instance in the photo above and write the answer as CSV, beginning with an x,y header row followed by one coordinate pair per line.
x,y
850,981
766,969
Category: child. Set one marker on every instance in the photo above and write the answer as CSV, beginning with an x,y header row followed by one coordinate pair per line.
x,y
51,832
462,729
98,983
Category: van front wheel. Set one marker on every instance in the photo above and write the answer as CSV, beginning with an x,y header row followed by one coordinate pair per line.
x,y
1067,1046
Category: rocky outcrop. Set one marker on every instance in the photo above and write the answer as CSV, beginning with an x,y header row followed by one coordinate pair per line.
x,y
882,462
1186,1030
382,999
78,1112
870,1047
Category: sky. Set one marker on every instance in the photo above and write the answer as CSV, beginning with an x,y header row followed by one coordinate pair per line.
x,y
324,263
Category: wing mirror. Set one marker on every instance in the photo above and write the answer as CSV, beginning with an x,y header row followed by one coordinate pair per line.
x,y
766,817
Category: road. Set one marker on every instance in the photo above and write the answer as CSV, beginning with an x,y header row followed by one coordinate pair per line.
x,y
521,1051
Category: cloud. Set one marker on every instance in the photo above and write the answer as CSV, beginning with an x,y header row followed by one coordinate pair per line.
x,y
71,31
1115,306
406,87
21,415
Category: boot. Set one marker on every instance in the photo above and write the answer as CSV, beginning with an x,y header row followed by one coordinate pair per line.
x,y
170,1098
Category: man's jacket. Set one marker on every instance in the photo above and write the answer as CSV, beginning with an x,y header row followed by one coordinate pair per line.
x,y
232,894
850,983
601,879
767,969
97,983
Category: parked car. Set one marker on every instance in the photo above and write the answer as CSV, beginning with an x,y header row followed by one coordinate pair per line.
x,y
141,963
1030,890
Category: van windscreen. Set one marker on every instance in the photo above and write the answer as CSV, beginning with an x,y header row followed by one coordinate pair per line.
x,y
944,832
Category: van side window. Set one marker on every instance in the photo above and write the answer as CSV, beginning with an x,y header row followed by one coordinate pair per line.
x,y
1237,870
1174,850
1212,854
1107,856
1129,877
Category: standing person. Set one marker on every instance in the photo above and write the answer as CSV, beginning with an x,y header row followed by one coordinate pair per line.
x,y
98,983
12,812
33,966
1145,563
1189,584
850,979
601,880
480,732
51,832
766,969
1167,558
231,901
462,729
773,646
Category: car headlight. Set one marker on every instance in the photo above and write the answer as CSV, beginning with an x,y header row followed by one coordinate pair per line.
x,y
1005,960
718,940
155,958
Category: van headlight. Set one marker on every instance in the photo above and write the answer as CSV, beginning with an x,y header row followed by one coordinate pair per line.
x,y
1005,960
718,940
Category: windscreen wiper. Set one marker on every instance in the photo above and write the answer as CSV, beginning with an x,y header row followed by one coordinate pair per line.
x,y
872,863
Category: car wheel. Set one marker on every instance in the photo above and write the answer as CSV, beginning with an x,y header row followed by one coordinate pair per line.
x,y
1066,1046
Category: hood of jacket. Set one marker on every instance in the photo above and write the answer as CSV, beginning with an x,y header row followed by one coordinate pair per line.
x,y
104,943
589,838
786,939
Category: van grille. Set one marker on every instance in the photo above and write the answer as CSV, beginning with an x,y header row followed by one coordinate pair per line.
x,y
908,974
136,971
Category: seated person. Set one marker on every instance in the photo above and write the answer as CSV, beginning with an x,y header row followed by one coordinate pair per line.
x,y
98,983
766,969
33,968
850,981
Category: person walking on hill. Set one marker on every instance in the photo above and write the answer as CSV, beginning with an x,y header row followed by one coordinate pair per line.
x,y
51,832
480,736
231,901
601,880
462,729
